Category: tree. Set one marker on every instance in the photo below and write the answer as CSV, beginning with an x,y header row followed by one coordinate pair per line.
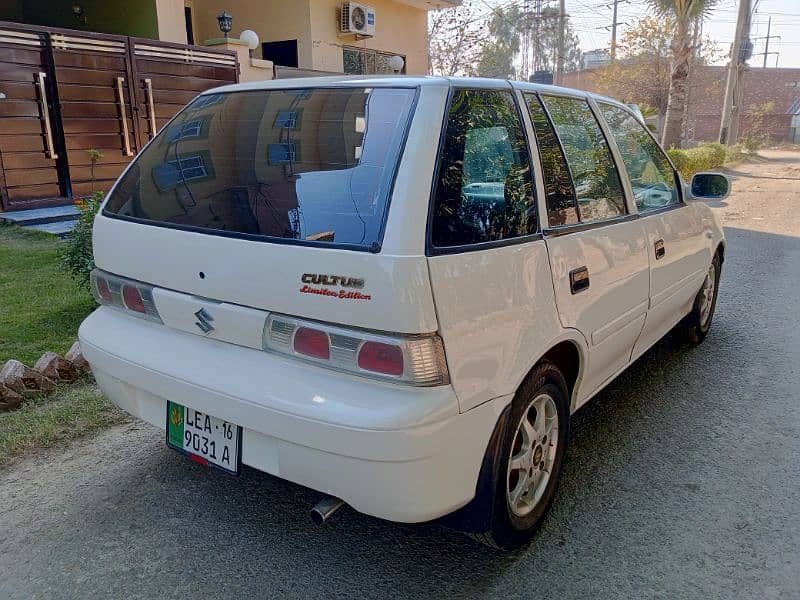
x,y
498,51
454,40
548,43
683,13
506,27
641,75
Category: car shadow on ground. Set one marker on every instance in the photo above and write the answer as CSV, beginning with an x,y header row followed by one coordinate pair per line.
x,y
626,475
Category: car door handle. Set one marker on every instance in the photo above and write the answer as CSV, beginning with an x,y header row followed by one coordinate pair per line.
x,y
579,280
660,250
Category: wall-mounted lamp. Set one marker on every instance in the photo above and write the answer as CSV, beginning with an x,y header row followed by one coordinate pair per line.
x,y
396,63
79,13
225,22
250,37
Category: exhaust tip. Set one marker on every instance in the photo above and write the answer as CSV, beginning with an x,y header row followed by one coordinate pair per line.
x,y
317,517
324,509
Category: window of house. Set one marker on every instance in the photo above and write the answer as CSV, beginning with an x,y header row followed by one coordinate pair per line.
x,y
187,15
205,101
283,53
364,61
651,175
597,184
190,167
484,191
191,129
562,206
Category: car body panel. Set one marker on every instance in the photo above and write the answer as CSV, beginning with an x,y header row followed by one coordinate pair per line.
x,y
611,311
496,314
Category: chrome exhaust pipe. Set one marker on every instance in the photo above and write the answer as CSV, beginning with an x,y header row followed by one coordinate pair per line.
x,y
325,509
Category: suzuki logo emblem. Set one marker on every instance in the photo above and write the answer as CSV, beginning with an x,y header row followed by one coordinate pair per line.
x,y
204,320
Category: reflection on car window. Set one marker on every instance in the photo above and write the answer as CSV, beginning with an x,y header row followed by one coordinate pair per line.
x,y
651,175
311,164
484,192
562,207
597,183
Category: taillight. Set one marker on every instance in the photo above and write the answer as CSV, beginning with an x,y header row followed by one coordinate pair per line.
x,y
381,358
415,360
102,289
312,342
133,297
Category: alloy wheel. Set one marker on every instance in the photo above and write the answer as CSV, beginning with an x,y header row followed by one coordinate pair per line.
x,y
533,453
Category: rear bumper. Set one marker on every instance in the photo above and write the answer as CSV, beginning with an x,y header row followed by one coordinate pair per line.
x,y
394,452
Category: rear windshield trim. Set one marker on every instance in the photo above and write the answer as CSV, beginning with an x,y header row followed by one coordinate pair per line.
x,y
373,249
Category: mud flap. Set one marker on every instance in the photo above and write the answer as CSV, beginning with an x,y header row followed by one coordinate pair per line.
x,y
478,514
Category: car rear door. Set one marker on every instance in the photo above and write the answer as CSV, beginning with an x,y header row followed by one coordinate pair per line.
x,y
488,263
678,249
597,248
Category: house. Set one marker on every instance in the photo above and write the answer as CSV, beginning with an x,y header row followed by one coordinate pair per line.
x,y
80,75
304,34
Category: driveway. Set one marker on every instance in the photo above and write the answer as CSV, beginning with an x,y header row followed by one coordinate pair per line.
x,y
683,481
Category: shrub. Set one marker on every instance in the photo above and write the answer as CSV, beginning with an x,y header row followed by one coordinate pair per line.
x,y
77,257
704,157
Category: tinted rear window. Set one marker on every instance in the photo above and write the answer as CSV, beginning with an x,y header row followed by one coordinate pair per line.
x,y
311,165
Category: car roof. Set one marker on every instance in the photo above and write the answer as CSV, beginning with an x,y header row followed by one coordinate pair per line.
x,y
404,81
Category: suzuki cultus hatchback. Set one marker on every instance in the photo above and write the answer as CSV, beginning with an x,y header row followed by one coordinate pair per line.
x,y
395,290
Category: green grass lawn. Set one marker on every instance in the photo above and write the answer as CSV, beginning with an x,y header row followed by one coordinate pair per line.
x,y
41,306
71,411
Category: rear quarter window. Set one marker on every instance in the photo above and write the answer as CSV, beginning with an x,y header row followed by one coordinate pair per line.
x,y
484,187
309,165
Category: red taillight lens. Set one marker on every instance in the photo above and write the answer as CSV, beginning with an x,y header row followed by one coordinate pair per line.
x,y
312,342
132,298
103,290
381,358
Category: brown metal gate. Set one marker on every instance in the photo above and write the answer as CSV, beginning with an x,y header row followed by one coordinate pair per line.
x,y
67,92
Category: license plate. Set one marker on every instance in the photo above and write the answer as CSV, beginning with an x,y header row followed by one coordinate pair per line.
x,y
205,438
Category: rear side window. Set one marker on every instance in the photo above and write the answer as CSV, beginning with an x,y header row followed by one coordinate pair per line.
x,y
484,191
562,206
652,178
311,165
597,183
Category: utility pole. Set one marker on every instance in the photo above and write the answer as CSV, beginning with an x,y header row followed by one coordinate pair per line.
x,y
562,18
613,27
526,37
766,39
614,32
741,50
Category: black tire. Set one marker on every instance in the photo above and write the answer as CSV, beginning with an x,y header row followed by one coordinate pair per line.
x,y
694,328
508,530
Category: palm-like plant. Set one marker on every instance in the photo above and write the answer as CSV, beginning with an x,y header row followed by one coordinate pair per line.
x,y
684,13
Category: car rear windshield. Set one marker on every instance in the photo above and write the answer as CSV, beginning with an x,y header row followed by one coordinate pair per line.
x,y
308,165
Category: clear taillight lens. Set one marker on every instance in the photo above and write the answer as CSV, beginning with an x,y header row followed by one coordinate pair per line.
x,y
133,297
414,360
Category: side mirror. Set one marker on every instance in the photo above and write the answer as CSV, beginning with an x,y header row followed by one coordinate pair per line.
x,y
711,186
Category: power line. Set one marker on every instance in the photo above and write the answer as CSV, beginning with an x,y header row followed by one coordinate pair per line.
x,y
766,39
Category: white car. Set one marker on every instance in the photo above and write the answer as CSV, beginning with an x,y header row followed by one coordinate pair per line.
x,y
395,291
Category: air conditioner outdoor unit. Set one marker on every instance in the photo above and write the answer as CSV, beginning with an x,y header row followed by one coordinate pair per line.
x,y
357,19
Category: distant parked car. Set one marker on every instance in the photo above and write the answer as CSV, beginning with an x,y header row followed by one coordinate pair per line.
x,y
395,290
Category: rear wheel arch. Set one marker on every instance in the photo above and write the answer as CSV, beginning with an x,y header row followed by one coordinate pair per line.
x,y
568,356
565,355
721,251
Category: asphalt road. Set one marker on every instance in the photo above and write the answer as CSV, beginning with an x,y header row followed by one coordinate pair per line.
x,y
683,481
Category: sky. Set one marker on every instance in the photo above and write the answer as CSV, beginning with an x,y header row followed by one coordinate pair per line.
x,y
589,17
